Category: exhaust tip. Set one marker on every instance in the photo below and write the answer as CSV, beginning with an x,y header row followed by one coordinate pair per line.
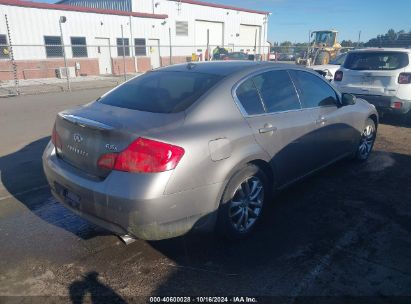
x,y
127,239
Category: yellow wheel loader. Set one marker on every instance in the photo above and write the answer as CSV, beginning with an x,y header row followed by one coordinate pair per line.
x,y
323,48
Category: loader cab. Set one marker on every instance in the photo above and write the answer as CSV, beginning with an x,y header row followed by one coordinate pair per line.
x,y
326,39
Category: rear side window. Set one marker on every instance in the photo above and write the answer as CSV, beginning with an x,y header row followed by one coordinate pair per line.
x,y
161,91
314,91
248,95
277,91
373,61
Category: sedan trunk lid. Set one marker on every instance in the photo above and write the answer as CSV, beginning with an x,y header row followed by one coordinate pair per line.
x,y
88,132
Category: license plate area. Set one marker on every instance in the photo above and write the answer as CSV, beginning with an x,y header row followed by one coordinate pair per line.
x,y
71,198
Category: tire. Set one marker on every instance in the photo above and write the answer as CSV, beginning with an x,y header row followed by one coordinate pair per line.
x,y
242,206
322,58
367,140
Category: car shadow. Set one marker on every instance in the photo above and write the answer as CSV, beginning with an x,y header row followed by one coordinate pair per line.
x,y
22,176
313,240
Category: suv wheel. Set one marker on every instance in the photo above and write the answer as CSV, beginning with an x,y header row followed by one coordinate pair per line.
x,y
242,202
367,140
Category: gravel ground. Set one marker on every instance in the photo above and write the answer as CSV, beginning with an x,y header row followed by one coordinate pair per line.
x,y
342,233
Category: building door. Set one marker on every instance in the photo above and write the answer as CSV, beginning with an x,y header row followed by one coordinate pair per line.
x,y
154,49
104,55
250,38
216,35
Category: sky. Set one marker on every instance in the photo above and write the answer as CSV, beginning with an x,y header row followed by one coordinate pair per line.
x,y
293,19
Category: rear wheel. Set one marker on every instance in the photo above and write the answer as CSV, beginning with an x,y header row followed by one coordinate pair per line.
x,y
368,136
242,202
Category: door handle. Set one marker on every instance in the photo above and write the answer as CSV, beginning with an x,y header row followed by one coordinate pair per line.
x,y
321,120
267,129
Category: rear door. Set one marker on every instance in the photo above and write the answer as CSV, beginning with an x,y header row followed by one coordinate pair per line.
x,y
334,135
280,125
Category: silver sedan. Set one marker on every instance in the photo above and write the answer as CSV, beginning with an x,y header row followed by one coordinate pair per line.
x,y
200,146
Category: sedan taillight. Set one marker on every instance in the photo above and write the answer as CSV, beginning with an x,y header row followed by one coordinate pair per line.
x,y
144,156
338,76
56,139
404,78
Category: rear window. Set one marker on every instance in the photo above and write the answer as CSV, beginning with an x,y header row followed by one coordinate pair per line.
x,y
383,61
161,91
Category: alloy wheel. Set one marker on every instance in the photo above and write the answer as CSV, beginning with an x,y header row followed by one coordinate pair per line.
x,y
246,205
367,141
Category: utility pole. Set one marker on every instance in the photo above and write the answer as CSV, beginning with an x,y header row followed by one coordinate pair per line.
x,y
255,44
124,53
169,39
359,39
63,19
208,46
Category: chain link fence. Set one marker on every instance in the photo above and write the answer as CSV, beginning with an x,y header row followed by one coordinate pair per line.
x,y
53,67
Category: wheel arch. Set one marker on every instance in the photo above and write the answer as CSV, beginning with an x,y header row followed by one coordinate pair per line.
x,y
260,162
374,117
266,168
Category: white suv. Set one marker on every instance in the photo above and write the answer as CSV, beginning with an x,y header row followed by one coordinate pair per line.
x,y
380,76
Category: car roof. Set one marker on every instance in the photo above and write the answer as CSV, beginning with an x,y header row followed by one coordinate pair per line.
x,y
222,68
404,50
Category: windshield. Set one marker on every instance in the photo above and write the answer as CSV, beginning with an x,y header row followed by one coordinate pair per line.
x,y
376,61
161,91
327,38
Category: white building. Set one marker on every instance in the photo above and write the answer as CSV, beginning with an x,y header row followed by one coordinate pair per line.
x,y
94,30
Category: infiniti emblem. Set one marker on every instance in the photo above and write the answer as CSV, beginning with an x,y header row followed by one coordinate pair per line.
x,y
77,138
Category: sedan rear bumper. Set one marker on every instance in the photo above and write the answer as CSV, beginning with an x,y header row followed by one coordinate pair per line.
x,y
132,203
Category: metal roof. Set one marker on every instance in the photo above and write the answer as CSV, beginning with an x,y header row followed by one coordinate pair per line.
x,y
196,2
118,5
73,8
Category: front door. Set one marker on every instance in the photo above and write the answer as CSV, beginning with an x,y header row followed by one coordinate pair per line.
x,y
154,48
103,55
334,136
279,124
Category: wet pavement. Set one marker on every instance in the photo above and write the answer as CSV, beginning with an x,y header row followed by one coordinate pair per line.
x,y
343,232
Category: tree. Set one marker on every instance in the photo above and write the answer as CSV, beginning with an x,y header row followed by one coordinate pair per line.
x,y
347,43
391,39
285,46
391,35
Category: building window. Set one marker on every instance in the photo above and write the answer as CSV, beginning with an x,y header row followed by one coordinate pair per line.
x,y
140,47
181,28
4,48
78,46
53,46
120,47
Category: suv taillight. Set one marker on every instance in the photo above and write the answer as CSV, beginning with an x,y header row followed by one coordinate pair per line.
x,y
55,139
144,156
338,76
404,78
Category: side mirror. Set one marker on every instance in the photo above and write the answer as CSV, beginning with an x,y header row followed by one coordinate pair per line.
x,y
348,99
